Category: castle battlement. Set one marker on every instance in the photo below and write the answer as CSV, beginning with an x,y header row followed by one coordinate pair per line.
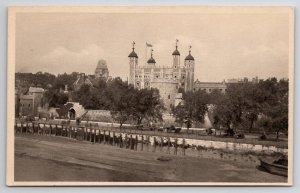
x,y
167,79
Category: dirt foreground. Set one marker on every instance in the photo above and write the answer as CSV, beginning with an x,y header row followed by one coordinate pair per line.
x,y
49,158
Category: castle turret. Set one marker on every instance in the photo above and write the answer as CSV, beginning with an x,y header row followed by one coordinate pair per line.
x,y
151,60
101,70
176,57
133,62
189,63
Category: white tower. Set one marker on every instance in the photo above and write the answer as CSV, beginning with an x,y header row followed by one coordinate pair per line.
x,y
133,62
189,63
176,57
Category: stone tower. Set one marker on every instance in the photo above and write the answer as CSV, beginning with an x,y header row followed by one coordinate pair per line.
x,y
101,70
189,64
133,62
176,57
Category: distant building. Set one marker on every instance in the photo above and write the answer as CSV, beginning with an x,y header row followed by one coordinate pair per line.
x,y
210,86
221,86
31,101
167,79
81,80
178,99
242,80
101,70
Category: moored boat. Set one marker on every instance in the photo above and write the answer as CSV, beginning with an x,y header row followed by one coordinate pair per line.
x,y
275,166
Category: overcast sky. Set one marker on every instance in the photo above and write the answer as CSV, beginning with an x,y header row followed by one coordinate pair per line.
x,y
223,45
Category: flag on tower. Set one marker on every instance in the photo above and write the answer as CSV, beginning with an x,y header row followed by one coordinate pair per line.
x,y
148,45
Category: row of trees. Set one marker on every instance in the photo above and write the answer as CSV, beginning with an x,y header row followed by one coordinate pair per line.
x,y
45,80
124,102
54,85
245,106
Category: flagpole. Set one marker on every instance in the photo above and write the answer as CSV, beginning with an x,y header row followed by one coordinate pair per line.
x,y
146,53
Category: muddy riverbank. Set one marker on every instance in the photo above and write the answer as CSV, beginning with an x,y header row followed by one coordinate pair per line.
x,y
53,158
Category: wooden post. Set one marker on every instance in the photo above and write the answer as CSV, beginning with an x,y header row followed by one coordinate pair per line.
x,y
44,128
125,140
55,130
130,142
175,151
39,129
183,147
148,142
104,140
21,127
62,128
27,127
161,143
168,145
136,142
90,134
99,136
114,138
67,131
94,135
120,141
142,145
50,129
154,141
109,139
84,133
33,128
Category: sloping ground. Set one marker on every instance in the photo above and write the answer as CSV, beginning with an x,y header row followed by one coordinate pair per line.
x,y
48,158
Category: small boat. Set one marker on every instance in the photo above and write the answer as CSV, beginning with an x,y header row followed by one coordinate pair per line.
x,y
275,166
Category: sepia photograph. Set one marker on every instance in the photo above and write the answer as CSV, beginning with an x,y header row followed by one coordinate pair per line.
x,y
150,96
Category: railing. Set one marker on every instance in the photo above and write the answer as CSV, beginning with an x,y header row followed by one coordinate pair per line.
x,y
197,135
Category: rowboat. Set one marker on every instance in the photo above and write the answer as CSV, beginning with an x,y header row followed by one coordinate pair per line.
x,y
275,166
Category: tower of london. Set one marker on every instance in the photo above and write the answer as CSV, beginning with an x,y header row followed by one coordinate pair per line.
x,y
167,79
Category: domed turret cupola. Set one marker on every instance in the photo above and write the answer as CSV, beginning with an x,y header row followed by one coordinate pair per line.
x,y
133,54
151,60
176,52
189,57
176,57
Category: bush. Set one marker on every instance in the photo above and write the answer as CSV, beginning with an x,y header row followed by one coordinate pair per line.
x,y
240,136
263,137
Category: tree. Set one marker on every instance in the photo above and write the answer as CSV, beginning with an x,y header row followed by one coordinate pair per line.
x,y
223,115
65,79
85,96
147,104
122,107
244,102
193,109
55,98
276,104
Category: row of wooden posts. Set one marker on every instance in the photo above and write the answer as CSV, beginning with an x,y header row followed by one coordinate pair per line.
x,y
103,137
